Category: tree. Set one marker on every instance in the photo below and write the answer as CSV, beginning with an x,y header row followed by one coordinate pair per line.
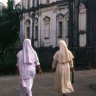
x,y
9,34
9,25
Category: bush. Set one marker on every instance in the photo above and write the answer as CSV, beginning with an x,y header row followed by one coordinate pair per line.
x,y
8,65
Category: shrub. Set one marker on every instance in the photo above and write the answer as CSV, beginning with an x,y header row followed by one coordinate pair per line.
x,y
8,64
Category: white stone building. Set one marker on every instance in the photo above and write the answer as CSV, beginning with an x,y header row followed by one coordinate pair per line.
x,y
46,21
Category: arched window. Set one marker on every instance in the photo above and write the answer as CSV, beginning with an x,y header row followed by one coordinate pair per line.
x,y
47,1
37,2
28,4
36,29
27,29
66,26
59,18
47,27
82,25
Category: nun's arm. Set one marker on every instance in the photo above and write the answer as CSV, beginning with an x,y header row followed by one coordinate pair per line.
x,y
17,69
71,64
38,67
54,64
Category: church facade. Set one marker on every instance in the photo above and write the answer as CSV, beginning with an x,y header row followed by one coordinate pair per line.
x,y
44,22
47,21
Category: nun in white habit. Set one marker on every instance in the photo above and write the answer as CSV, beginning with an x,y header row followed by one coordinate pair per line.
x,y
27,61
62,62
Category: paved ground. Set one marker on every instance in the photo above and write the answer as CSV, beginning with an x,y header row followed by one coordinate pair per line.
x,y
85,85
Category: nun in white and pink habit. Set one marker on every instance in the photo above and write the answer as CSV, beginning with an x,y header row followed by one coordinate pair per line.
x,y
27,61
63,61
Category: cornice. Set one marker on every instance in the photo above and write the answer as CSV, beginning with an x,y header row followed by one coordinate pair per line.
x,y
59,3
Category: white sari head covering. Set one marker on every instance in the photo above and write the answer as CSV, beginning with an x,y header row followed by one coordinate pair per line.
x,y
65,54
28,52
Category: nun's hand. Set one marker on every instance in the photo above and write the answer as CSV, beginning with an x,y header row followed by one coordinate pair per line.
x,y
53,69
40,71
72,69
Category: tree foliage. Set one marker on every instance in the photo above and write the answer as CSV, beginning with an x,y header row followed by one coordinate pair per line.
x,y
9,25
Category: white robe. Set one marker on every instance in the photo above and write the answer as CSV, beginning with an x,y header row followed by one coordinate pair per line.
x,y
62,75
26,70
27,73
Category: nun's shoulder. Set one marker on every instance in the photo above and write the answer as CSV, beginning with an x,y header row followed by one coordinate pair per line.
x,y
69,51
19,53
56,54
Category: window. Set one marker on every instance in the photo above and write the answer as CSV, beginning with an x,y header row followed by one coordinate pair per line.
x,y
27,28
47,30
47,27
82,21
60,30
33,3
28,4
36,33
37,2
28,32
36,29
82,25
60,24
82,17
82,40
47,1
